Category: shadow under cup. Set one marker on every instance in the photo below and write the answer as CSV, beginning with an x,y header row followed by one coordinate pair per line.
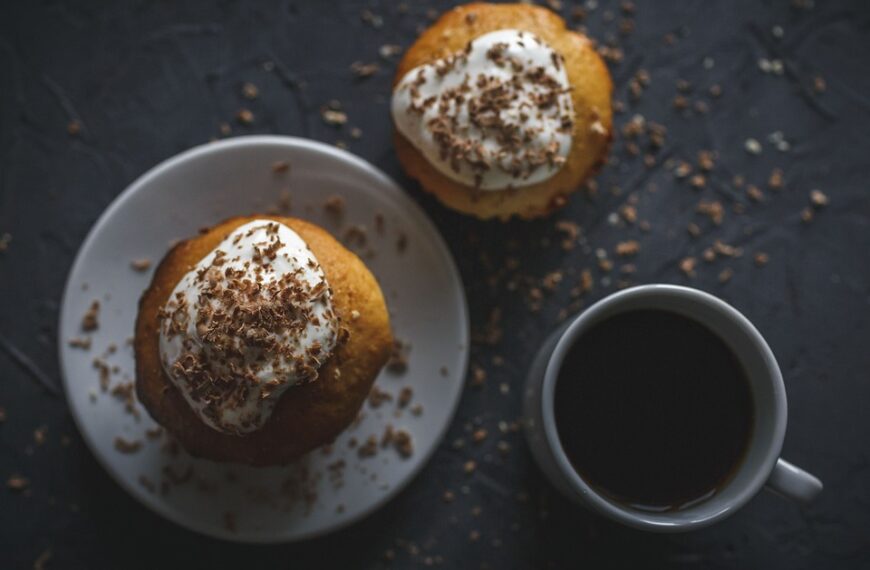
x,y
766,387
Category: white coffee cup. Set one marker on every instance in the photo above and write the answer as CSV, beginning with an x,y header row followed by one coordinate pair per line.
x,y
761,466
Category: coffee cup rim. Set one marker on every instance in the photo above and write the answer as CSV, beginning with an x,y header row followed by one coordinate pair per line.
x,y
663,522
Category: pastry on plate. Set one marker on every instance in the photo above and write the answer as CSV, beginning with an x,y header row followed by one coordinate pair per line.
x,y
258,340
502,111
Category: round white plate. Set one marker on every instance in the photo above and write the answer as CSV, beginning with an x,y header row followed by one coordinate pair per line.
x,y
199,188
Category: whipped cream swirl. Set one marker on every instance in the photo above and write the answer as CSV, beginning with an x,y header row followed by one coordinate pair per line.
x,y
495,116
251,319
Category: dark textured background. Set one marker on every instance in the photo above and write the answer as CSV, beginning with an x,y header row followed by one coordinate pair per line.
x,y
149,79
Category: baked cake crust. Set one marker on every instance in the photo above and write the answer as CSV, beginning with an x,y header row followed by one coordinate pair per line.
x,y
306,416
592,89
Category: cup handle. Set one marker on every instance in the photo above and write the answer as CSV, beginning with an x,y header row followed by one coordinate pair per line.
x,y
793,482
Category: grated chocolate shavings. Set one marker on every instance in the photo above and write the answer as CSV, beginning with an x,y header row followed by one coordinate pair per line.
x,y
334,205
398,362
74,127
280,166
127,446
819,199
627,248
364,70
90,321
141,264
245,116
687,266
82,342
250,91
405,396
403,443
17,483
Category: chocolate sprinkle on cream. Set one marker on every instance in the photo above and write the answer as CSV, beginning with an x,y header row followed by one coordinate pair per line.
x,y
252,319
495,116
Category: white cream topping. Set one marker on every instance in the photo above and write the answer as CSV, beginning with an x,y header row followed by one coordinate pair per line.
x,y
251,319
495,116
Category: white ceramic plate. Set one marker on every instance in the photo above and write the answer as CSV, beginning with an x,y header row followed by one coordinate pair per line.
x,y
199,188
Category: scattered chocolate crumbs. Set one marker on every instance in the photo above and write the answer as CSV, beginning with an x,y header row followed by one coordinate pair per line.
x,y
90,321
478,377
807,215
104,373
369,448
403,443
333,117
126,393
627,248
388,436
775,180
760,258
280,166
2,414
706,160
123,445
387,51
142,264
83,342
17,483
725,275
250,91
752,146
74,127
377,396
755,194
569,231
402,242
363,70
154,433
398,362
334,205
470,466
5,240
714,210
479,435
687,266
818,198
40,435
405,396
371,18
245,116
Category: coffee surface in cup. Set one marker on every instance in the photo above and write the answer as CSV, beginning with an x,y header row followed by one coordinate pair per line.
x,y
653,409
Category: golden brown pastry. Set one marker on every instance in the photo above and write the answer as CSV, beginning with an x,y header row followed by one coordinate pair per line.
x,y
253,348
501,110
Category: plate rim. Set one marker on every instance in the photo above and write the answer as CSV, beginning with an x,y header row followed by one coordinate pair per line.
x,y
228,144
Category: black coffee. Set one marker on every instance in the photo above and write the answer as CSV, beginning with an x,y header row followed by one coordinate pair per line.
x,y
653,409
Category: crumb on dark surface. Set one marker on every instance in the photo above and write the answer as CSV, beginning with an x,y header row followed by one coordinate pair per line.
x,y
90,320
